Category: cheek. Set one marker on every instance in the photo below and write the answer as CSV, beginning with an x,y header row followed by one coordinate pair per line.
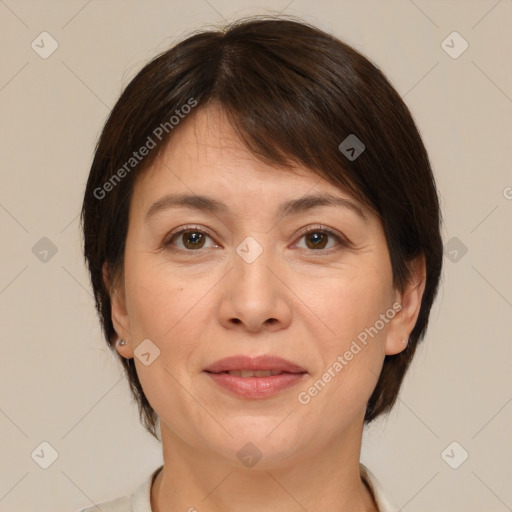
x,y
169,308
348,302
350,338
350,360
155,299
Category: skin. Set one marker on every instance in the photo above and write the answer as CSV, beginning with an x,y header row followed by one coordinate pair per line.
x,y
200,305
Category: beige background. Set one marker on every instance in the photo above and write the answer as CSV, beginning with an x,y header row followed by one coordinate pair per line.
x,y
60,384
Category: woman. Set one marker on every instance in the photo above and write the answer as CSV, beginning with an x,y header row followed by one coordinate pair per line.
x,y
262,230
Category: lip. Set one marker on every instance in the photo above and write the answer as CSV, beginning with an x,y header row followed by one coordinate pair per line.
x,y
255,387
264,362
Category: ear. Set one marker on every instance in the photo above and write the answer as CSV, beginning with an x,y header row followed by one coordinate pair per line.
x,y
400,327
118,311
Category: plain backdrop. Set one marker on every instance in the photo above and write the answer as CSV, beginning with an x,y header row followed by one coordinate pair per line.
x,y
60,384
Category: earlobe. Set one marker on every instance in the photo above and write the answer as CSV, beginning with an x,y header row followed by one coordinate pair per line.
x,y
403,323
124,349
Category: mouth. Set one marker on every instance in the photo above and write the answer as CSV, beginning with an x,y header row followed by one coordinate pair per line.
x,y
252,373
255,377
254,366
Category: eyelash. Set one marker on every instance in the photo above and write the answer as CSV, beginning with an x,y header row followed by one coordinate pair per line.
x,y
316,229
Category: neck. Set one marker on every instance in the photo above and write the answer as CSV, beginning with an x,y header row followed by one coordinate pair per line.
x,y
193,480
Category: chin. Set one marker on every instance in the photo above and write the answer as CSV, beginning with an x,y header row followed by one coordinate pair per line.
x,y
258,443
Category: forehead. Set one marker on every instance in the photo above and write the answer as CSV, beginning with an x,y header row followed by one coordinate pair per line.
x,y
206,156
208,139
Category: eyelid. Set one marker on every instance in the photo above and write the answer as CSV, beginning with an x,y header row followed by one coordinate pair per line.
x,y
340,238
183,229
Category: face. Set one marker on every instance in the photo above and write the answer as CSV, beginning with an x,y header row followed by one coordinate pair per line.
x,y
237,275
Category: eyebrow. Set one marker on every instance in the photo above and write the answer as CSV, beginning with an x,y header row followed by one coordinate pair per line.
x,y
288,208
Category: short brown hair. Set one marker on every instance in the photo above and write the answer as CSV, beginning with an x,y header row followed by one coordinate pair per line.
x,y
293,93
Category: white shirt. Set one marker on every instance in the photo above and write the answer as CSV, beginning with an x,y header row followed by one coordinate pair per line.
x,y
140,499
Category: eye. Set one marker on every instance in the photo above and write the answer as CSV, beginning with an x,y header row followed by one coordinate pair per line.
x,y
317,239
191,238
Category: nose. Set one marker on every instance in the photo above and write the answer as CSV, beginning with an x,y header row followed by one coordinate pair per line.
x,y
255,296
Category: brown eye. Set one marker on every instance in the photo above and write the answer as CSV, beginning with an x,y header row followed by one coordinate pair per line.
x,y
193,239
188,239
316,240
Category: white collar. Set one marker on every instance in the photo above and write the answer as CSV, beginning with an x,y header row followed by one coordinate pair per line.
x,y
383,504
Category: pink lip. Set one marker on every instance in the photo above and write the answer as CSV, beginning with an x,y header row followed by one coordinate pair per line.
x,y
255,387
265,362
